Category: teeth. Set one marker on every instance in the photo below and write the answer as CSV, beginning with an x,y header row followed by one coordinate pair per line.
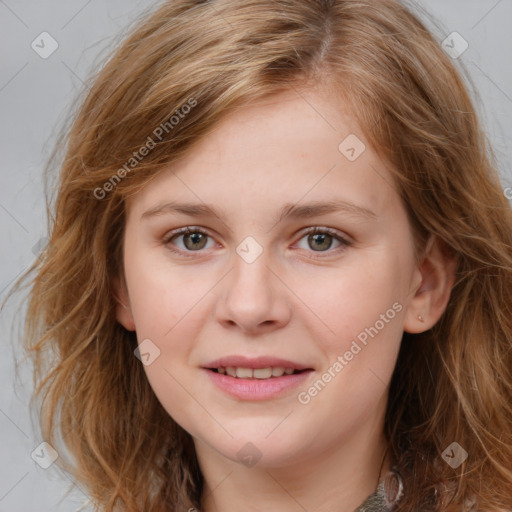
x,y
257,373
277,371
262,373
244,373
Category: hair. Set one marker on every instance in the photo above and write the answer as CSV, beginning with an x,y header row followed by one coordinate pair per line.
x,y
451,383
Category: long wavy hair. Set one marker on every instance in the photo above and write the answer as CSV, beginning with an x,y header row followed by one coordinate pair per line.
x,y
452,383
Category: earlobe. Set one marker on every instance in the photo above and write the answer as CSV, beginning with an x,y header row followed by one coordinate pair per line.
x,y
436,275
122,310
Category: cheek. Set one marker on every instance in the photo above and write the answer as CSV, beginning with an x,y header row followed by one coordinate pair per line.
x,y
364,319
161,294
169,308
364,315
353,297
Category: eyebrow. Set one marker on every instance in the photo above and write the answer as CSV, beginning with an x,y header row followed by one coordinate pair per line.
x,y
289,210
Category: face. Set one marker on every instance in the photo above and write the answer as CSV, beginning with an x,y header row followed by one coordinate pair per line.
x,y
252,280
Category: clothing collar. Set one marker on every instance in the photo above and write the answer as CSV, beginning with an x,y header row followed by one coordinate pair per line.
x,y
386,496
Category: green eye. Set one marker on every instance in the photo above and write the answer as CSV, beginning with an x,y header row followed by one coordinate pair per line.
x,y
321,240
195,239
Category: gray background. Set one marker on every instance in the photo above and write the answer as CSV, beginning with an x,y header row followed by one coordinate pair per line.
x,y
35,97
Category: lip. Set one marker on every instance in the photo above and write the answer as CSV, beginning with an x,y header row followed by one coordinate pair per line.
x,y
257,389
255,362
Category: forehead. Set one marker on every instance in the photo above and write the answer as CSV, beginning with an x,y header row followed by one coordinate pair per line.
x,y
291,147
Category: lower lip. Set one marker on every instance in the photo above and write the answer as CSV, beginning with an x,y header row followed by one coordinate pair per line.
x,y
257,389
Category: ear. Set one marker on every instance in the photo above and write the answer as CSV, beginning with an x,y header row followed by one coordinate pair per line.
x,y
435,275
123,310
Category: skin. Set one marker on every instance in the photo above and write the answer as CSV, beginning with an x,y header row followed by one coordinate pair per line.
x,y
325,455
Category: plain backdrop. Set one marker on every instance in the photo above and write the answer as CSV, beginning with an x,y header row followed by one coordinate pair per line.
x,y
35,97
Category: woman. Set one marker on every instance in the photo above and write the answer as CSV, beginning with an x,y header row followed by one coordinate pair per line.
x,y
208,353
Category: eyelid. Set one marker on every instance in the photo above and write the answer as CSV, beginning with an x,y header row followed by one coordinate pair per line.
x,y
324,229
187,229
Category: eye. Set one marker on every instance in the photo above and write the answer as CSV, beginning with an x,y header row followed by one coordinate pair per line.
x,y
321,240
194,239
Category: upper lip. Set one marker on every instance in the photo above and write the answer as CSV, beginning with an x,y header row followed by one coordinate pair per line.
x,y
256,362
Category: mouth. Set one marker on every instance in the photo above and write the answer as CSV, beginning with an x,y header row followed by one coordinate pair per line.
x,y
269,372
257,379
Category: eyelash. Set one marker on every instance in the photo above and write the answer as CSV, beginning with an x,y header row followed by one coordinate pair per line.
x,y
311,231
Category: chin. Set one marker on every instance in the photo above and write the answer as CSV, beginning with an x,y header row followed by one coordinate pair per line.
x,y
262,451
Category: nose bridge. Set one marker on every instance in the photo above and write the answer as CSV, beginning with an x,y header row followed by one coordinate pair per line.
x,y
250,286
253,295
251,271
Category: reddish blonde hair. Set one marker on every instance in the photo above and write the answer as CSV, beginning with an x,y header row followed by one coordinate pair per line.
x,y
451,383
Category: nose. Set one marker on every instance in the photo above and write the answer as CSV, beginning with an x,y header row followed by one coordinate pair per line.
x,y
253,297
